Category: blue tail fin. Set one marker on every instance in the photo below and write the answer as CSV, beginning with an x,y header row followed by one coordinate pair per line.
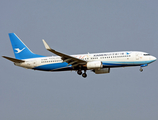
x,y
21,51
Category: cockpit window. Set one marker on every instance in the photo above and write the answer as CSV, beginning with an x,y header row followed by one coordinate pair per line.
x,y
146,54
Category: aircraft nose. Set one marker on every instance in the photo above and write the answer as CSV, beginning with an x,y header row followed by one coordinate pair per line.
x,y
154,58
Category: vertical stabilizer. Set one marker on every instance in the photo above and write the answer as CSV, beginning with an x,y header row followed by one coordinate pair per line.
x,y
21,51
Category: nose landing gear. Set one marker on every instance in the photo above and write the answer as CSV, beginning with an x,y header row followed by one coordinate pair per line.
x,y
141,69
144,65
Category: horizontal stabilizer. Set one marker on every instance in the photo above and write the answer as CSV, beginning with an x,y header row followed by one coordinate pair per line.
x,y
14,60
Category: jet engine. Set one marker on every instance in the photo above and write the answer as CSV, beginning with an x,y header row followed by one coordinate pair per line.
x,y
94,65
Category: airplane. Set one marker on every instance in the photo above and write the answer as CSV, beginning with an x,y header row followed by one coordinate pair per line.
x,y
99,63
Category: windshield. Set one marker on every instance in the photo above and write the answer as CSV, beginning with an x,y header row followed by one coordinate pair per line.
x,y
146,54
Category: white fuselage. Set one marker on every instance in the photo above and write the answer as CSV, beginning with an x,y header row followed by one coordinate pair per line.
x,y
109,59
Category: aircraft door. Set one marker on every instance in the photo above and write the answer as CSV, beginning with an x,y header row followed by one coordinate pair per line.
x,y
137,56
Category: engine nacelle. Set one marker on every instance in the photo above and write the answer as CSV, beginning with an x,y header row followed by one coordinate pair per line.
x,y
102,71
94,65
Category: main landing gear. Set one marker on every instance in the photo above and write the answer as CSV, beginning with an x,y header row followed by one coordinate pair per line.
x,y
79,72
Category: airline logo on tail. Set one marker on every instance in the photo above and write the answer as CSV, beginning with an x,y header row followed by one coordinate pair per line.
x,y
18,50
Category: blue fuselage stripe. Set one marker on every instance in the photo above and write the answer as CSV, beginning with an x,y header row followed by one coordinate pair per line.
x,y
53,66
121,63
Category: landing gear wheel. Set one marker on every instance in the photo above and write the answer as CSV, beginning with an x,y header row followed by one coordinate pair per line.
x,y
141,70
84,75
79,72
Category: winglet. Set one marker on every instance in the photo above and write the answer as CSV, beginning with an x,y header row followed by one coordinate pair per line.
x,y
46,45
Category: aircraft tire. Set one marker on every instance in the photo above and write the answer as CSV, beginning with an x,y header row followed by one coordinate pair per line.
x,y
141,70
84,75
79,72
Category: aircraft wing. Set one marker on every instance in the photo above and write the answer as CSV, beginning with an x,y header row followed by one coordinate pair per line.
x,y
66,58
13,59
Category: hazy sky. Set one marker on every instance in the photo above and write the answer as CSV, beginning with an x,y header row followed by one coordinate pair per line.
x,y
75,27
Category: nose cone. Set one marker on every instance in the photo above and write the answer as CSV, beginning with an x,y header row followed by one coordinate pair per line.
x,y
153,58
